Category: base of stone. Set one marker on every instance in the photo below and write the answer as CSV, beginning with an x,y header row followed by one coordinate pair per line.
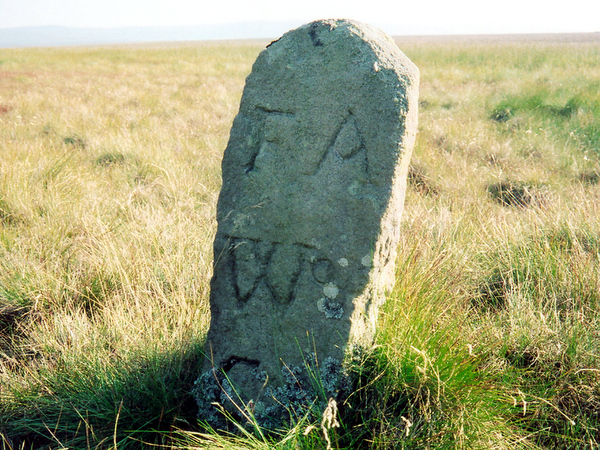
x,y
306,392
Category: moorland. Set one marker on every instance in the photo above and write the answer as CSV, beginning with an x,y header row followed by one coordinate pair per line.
x,y
109,176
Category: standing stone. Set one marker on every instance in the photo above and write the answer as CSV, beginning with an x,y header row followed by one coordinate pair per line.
x,y
314,178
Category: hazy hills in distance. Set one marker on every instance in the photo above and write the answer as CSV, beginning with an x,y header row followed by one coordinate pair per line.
x,y
53,36
57,36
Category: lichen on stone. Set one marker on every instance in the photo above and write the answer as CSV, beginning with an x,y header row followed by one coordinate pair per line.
x,y
260,375
331,290
211,387
333,377
343,262
331,309
305,391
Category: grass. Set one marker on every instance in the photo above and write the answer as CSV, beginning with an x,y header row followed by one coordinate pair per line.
x,y
109,174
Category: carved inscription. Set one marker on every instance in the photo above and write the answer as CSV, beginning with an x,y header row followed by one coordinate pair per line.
x,y
348,141
278,267
248,260
283,270
280,136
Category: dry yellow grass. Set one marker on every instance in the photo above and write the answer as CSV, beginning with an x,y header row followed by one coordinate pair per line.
x,y
109,174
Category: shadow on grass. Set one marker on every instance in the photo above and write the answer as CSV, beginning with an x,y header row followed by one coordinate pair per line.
x,y
121,404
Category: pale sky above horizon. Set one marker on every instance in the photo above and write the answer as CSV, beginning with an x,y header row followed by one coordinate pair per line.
x,y
414,16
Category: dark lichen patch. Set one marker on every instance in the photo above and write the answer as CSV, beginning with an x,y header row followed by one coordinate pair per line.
x,y
304,393
314,35
331,309
516,193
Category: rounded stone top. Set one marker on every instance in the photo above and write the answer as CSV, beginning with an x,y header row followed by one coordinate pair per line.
x,y
383,54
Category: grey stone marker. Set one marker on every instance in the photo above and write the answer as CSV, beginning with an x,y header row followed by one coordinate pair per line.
x,y
314,177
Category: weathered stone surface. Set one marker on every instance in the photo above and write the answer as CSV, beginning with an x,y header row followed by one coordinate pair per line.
x,y
314,178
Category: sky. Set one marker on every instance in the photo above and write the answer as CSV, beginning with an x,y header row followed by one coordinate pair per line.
x,y
395,17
